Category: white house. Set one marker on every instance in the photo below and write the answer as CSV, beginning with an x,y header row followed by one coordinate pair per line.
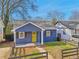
x,y
68,29
63,30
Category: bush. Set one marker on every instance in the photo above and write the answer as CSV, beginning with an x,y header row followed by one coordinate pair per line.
x,y
9,37
58,39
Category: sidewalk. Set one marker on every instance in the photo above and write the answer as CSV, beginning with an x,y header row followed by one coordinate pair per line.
x,y
42,50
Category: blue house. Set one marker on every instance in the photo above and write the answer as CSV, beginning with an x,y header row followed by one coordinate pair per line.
x,y
34,32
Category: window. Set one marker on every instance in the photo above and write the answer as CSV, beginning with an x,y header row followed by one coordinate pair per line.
x,y
48,33
64,33
21,35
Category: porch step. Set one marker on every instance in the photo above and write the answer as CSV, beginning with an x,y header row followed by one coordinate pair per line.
x,y
25,45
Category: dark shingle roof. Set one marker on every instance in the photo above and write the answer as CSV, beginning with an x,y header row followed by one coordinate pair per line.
x,y
43,24
46,24
69,24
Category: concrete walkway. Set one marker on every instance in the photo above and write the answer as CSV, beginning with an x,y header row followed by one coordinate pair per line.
x,y
5,53
42,50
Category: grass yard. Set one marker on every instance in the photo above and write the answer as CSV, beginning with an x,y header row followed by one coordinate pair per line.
x,y
54,48
62,45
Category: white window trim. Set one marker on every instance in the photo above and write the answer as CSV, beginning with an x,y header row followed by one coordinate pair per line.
x,y
22,36
47,34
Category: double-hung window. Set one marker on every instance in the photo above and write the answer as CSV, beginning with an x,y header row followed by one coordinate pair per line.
x,y
21,35
48,33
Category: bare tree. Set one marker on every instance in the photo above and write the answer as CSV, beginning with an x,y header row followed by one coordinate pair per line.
x,y
74,15
56,16
54,21
10,7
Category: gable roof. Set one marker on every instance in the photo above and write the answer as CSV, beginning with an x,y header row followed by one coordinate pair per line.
x,y
39,23
27,24
69,24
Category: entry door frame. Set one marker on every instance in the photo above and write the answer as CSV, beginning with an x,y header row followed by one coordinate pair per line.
x,y
34,37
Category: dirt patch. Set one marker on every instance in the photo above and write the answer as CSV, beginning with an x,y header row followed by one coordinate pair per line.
x,y
56,52
5,52
5,49
6,44
24,51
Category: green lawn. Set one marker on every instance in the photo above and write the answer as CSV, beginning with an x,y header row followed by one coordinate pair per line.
x,y
58,44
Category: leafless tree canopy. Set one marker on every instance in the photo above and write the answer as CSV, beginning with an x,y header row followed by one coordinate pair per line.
x,y
56,15
10,7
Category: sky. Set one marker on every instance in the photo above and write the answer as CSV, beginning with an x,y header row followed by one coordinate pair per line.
x,y
65,6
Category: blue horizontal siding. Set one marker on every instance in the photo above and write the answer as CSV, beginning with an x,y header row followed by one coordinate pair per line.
x,y
22,41
29,39
39,37
50,38
28,28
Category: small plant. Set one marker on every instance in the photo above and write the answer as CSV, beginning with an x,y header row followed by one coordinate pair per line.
x,y
58,39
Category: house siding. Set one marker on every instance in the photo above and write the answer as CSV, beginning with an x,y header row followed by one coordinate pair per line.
x,y
28,39
28,28
32,28
39,37
50,38
24,40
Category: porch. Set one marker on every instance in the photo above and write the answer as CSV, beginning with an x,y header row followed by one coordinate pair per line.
x,y
23,38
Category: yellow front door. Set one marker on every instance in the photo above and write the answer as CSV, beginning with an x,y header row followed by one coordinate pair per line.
x,y
34,36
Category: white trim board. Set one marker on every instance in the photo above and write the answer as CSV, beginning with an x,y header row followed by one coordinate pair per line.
x,y
22,36
27,24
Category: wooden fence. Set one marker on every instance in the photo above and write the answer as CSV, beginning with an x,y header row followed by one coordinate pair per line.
x,y
40,55
72,42
70,52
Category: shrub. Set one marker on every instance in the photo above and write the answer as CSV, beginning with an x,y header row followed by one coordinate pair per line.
x,y
58,39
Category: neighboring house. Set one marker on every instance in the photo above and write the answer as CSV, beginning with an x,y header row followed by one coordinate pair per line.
x,y
43,31
69,27
1,32
34,32
63,30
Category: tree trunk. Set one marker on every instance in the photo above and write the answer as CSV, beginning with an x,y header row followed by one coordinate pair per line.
x,y
4,32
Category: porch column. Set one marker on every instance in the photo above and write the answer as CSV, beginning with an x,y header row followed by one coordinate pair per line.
x,y
14,38
42,37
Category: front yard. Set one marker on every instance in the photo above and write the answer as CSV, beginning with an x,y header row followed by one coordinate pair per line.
x,y
6,49
54,48
25,51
